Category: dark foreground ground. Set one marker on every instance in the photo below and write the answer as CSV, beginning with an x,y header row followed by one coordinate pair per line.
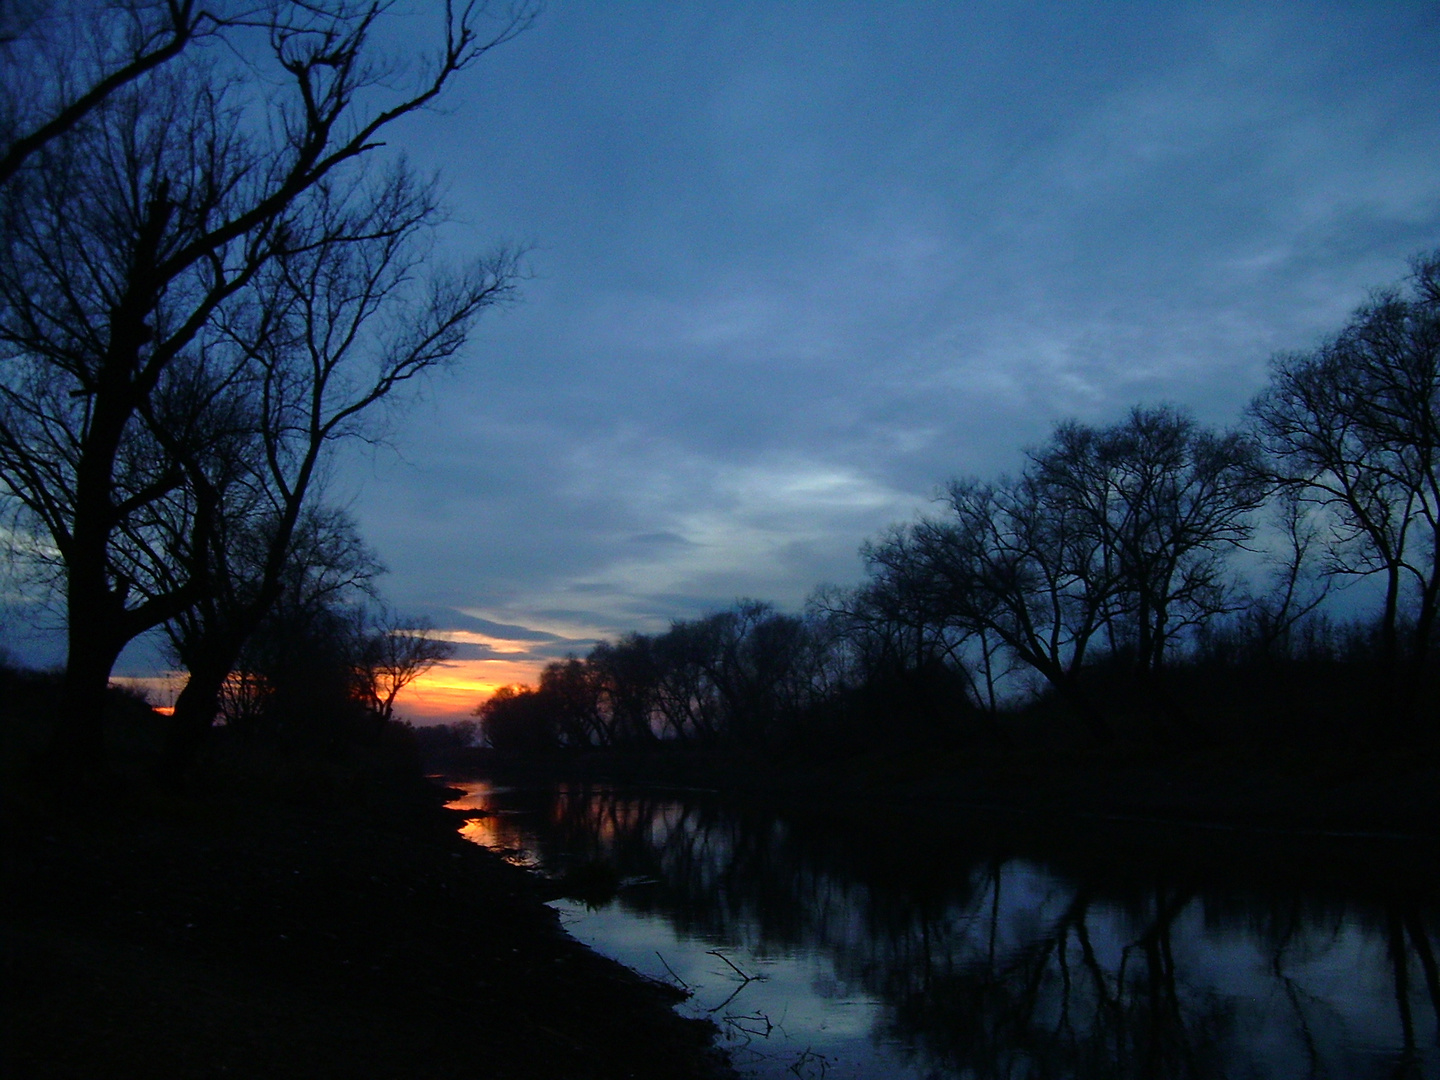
x,y
352,933
188,938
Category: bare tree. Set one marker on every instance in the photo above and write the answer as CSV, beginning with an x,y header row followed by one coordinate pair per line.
x,y
1295,589
685,698
903,625
132,243
50,90
1354,426
397,652
325,566
625,681
1166,500
517,719
1112,536
1019,561
571,689
331,329
297,673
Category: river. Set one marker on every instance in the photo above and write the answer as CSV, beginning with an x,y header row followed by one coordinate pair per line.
x,y
838,947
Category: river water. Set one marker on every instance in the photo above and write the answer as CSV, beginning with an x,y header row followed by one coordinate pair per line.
x,y
978,947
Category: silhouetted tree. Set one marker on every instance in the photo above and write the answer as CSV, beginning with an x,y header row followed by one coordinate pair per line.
x,y
52,87
330,332
139,246
1269,618
328,566
686,699
572,690
1354,426
625,678
1166,500
1112,536
517,719
296,676
1018,560
396,652
905,630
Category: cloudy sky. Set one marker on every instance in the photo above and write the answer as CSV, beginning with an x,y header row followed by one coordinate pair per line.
x,y
792,266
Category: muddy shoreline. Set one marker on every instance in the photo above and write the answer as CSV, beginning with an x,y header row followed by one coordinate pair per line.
x,y
196,939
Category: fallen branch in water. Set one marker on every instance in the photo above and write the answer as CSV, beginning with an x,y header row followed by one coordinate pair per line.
x,y
679,981
738,1023
745,979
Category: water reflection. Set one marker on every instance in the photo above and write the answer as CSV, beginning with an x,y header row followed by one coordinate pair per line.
x,y
824,949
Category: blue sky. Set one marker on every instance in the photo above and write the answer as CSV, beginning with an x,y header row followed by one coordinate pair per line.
x,y
792,266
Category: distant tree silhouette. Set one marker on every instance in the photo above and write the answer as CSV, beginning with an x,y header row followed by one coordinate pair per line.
x,y
685,698
395,652
624,679
903,628
517,719
1111,539
296,676
1018,560
1166,500
328,567
572,689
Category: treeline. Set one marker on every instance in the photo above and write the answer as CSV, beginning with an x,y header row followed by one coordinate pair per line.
x,y
1152,578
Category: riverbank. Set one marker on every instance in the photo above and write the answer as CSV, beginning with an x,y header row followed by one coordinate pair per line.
x,y
215,937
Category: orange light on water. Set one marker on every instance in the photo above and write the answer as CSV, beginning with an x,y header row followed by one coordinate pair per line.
x,y
487,828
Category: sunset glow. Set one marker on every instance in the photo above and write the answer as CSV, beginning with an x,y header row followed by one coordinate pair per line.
x,y
442,695
488,641
160,689
451,692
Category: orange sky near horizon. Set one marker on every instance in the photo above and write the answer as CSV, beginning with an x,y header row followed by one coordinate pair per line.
x,y
442,695
451,692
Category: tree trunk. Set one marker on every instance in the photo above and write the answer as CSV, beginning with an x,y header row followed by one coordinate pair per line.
x,y
195,710
210,662
77,743
1068,684
95,614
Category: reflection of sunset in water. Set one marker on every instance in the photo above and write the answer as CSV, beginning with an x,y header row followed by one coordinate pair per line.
x,y
493,830
476,797
481,831
497,834
876,959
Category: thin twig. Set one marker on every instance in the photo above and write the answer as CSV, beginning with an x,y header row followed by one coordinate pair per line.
x,y
683,984
728,961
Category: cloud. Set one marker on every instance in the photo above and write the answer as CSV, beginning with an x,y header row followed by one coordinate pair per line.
x,y
792,274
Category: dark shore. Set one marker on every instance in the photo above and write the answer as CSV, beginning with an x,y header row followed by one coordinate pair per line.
x,y
191,938
359,936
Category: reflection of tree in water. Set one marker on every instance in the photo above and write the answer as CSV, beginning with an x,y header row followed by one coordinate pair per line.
x,y
706,869
991,966
1053,1007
